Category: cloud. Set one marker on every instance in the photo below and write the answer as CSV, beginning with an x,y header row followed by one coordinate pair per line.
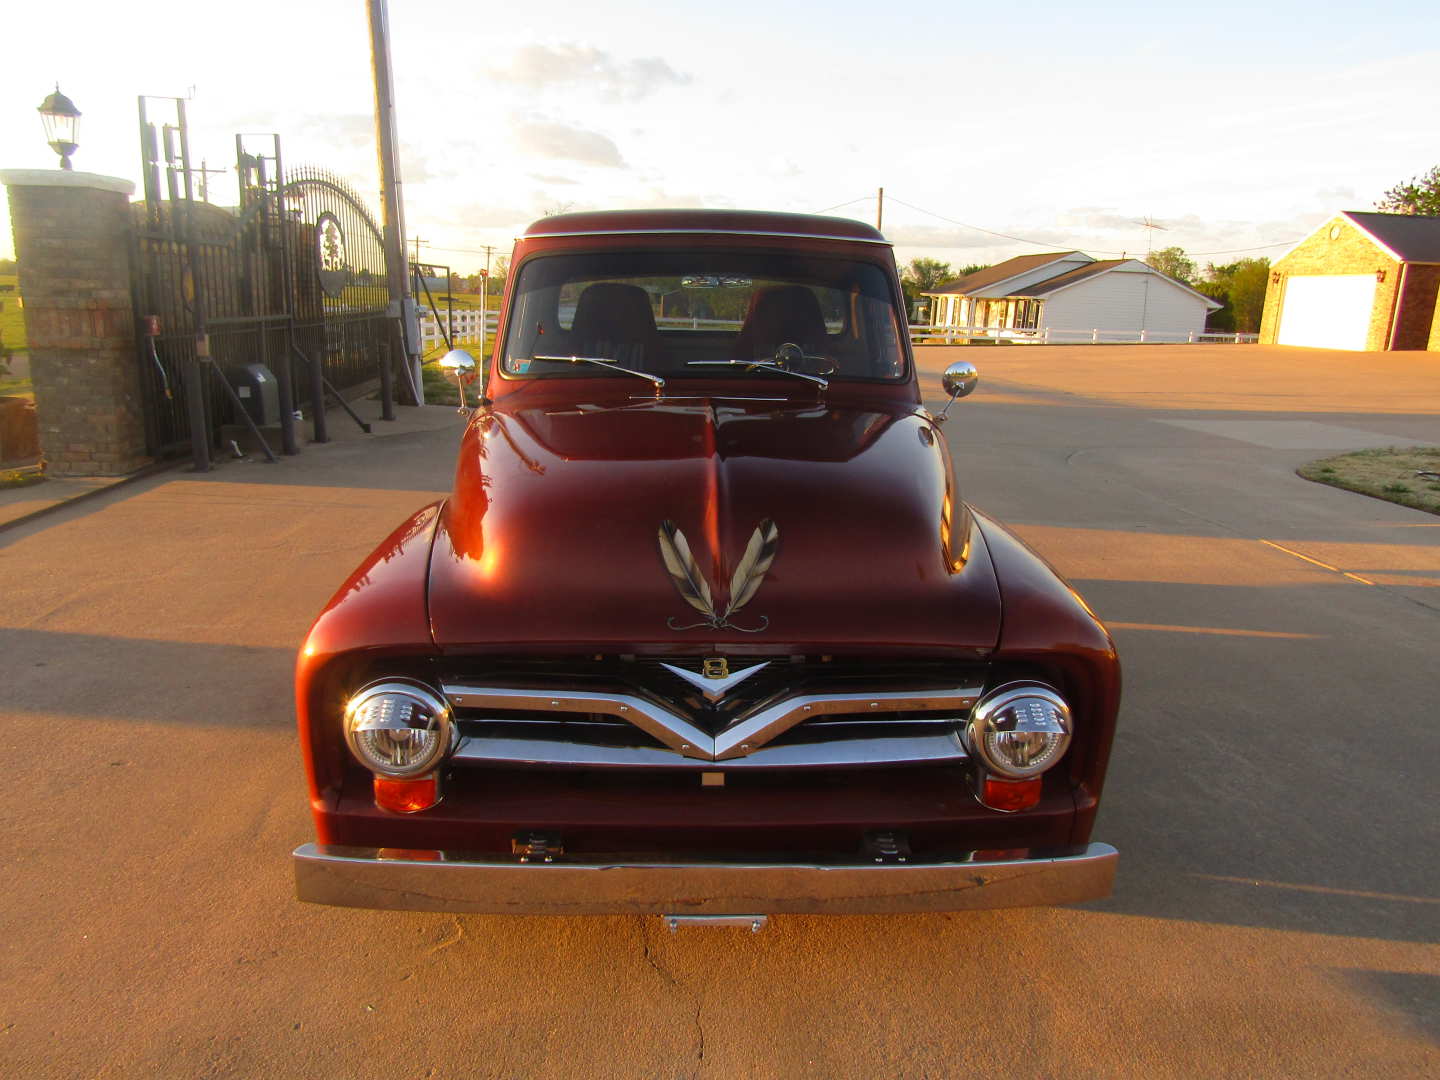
x,y
1096,217
343,127
542,178
414,166
540,67
486,216
549,139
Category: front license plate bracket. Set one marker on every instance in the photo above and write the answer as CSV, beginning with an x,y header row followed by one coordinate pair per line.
x,y
754,923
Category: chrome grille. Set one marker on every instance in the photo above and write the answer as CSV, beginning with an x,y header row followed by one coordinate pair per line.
x,y
637,713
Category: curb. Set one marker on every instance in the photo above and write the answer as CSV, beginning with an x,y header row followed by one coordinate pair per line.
x,y
140,474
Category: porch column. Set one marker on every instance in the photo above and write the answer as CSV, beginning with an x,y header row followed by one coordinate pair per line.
x,y
73,237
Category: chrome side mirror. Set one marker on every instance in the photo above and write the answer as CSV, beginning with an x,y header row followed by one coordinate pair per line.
x,y
958,381
461,366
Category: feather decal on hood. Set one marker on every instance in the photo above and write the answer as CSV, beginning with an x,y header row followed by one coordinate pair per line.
x,y
695,590
754,564
684,571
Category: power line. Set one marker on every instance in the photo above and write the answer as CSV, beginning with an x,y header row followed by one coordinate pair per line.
x,y
1051,243
461,251
988,232
837,206
1237,251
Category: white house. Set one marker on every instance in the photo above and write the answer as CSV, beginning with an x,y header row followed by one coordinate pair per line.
x,y
1069,296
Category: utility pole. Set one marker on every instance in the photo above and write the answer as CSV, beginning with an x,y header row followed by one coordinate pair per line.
x,y
397,270
880,211
205,173
485,303
418,241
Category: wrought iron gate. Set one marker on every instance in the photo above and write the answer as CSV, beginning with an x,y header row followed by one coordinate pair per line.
x,y
293,278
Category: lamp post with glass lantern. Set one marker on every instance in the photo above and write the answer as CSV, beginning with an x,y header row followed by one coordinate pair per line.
x,y
61,119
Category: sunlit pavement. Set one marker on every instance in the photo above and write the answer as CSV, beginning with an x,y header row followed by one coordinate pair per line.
x,y
1272,792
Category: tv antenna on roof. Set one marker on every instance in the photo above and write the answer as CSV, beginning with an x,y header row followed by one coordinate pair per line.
x,y
1150,225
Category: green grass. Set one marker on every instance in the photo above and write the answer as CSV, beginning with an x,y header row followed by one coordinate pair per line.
x,y
440,389
439,386
459,300
12,318
1388,474
19,478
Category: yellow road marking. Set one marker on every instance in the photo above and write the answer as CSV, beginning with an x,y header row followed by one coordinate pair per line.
x,y
1361,893
1317,562
1226,631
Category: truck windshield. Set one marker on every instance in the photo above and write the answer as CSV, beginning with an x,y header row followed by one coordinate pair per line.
x,y
703,314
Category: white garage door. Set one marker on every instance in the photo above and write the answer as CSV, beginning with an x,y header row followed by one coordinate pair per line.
x,y
1329,312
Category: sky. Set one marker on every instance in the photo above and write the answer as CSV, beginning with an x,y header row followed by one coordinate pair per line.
x,y
1237,127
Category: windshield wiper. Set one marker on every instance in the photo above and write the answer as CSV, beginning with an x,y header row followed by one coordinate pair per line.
x,y
608,365
764,365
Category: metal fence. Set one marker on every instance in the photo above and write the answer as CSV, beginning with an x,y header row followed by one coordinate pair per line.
x,y
292,280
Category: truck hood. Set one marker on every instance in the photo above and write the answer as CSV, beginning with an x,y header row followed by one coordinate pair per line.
x,y
552,539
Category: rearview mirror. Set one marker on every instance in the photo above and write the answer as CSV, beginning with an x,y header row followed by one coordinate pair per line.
x,y
461,367
458,362
959,379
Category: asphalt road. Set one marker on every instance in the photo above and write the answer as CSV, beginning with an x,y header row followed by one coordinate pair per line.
x,y
1273,790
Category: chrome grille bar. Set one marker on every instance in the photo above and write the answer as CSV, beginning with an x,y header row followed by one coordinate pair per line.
x,y
831,754
744,740
668,727
758,729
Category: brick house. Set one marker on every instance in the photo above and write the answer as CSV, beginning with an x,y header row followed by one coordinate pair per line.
x,y
1362,281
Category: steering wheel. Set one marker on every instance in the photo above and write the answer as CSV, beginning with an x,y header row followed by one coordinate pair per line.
x,y
793,358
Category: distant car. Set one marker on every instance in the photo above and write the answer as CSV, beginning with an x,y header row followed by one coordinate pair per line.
x,y
704,628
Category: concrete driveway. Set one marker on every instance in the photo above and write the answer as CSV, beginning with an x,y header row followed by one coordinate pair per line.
x,y
1273,791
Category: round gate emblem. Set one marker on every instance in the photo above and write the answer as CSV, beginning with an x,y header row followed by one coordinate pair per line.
x,y
330,253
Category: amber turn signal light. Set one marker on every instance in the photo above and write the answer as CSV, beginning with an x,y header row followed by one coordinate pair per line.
x,y
407,796
1010,795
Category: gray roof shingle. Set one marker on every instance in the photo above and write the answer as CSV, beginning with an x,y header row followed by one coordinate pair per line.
x,y
1069,277
999,272
1414,237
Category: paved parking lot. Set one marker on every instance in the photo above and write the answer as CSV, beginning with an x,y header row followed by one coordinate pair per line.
x,y
1273,790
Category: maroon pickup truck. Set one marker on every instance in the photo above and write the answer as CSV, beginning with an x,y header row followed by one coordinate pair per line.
x,y
705,628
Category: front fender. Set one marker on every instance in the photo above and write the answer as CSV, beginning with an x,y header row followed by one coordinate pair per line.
x,y
1047,624
382,605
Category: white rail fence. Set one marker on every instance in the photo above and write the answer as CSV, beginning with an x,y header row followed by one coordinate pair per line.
x,y
463,325
1053,336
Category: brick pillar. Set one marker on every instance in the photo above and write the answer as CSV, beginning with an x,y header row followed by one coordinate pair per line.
x,y
73,244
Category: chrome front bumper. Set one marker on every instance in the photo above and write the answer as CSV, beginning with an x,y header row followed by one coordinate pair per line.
x,y
433,881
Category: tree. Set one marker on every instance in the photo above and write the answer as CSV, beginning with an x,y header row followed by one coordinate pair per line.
x,y
926,275
1240,286
922,276
1173,262
1420,196
499,271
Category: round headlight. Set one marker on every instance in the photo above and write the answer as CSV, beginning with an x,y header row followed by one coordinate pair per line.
x,y
1019,730
398,729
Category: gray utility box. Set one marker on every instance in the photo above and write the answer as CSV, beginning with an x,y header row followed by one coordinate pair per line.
x,y
258,391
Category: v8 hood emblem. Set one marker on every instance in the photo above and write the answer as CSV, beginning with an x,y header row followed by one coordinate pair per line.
x,y
695,590
715,687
